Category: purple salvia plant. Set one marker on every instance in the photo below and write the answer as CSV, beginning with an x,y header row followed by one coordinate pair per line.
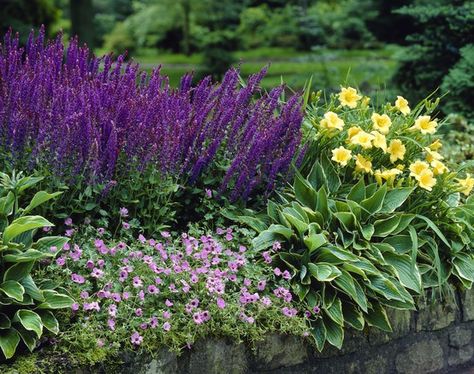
x,y
100,118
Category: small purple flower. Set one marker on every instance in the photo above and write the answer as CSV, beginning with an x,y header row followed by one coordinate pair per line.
x,y
166,314
68,221
97,273
220,303
168,303
316,309
84,294
208,193
125,225
261,285
137,282
136,338
123,212
167,326
165,234
138,312
76,278
53,249
61,261
75,307
101,231
111,324
152,289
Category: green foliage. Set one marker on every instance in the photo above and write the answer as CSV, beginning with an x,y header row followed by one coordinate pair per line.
x,y
445,27
343,250
459,84
26,305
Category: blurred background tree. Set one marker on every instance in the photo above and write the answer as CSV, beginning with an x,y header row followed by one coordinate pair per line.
x,y
422,44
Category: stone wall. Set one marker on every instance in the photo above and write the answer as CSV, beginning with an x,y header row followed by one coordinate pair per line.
x,y
438,338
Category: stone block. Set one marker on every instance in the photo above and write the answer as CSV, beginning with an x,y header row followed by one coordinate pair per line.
x,y
217,356
435,316
425,356
165,363
460,356
468,305
459,337
376,365
278,351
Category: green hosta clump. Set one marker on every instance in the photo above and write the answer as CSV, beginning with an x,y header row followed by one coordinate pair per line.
x,y
25,305
343,252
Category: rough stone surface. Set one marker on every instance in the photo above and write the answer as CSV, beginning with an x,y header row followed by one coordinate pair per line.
x,y
460,356
459,337
422,357
279,351
435,316
217,356
468,305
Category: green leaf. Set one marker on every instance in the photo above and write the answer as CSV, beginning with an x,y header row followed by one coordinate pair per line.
x,y
27,182
378,317
28,337
401,243
9,340
5,322
319,333
367,230
317,176
31,288
464,265
329,252
55,300
352,316
395,198
18,271
304,192
40,198
314,241
30,321
357,192
49,321
322,205
295,219
334,333
406,270
384,227
435,228
323,272
374,203
29,255
384,287
23,224
13,289
335,312
347,220
345,282
6,204
272,210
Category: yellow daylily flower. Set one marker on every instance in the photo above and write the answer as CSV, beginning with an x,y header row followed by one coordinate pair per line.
x,y
365,102
349,97
438,167
402,105
379,141
381,123
418,167
363,139
426,180
436,145
387,175
466,184
354,130
425,125
332,121
341,155
396,150
363,164
432,155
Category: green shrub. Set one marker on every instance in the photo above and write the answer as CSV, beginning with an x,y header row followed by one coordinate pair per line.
x,y
445,27
25,304
459,85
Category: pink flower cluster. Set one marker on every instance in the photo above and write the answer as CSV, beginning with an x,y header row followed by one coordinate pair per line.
x,y
151,283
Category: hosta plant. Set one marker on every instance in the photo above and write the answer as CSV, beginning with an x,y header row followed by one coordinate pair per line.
x,y
342,249
25,305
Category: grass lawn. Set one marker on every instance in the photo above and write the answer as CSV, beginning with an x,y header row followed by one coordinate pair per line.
x,y
368,69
